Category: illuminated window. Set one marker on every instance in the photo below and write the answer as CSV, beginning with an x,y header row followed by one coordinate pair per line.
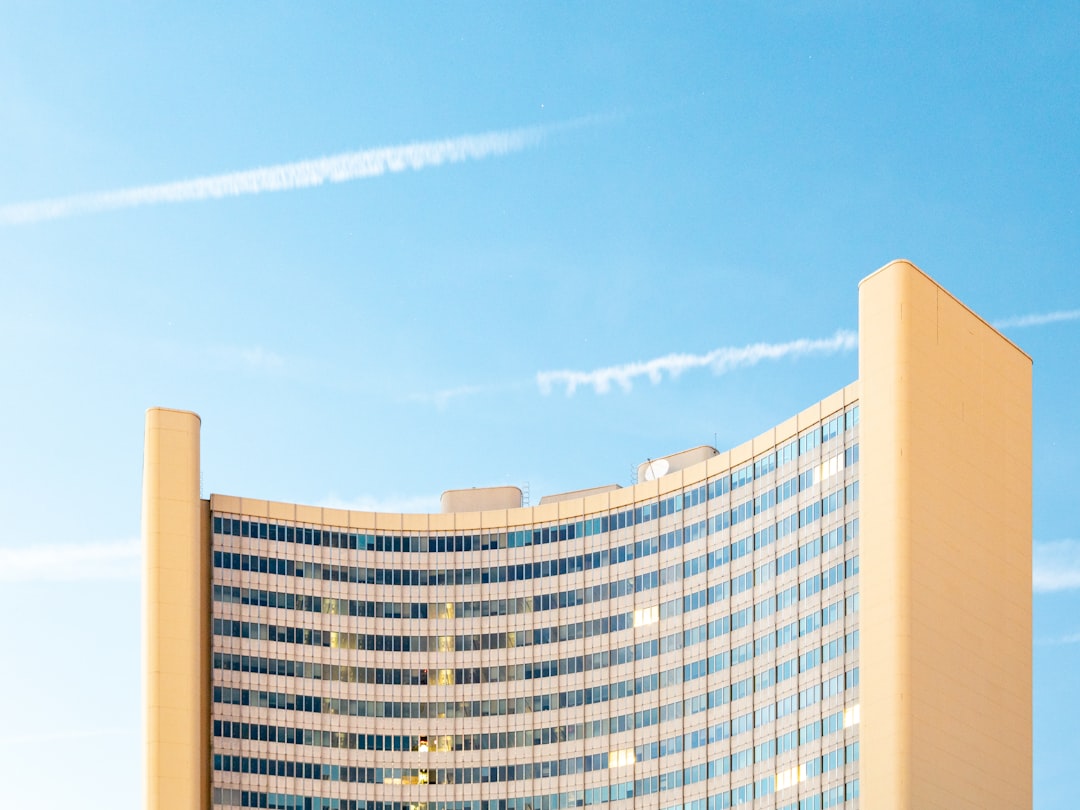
x,y
618,759
645,616
851,716
830,467
792,776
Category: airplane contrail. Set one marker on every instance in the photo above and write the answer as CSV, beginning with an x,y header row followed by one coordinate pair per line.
x,y
720,360
46,562
1040,319
285,176
1055,566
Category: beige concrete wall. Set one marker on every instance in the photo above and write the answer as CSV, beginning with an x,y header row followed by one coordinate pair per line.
x,y
945,552
176,539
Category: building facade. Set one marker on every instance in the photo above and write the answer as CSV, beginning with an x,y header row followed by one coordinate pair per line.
x,y
834,614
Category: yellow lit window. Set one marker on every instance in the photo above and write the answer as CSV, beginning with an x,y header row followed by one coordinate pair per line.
x,y
791,777
618,759
830,467
648,615
851,716
442,610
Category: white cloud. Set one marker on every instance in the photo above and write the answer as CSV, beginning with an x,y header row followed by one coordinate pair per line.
x,y
719,361
440,399
1073,638
1038,319
407,504
67,562
1055,566
286,176
59,736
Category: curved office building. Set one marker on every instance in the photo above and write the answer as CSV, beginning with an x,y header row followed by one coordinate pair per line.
x,y
800,622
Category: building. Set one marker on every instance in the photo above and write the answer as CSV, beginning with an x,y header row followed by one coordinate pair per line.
x,y
834,614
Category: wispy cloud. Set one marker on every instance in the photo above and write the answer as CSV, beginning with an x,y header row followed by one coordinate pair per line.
x,y
440,399
1055,566
286,176
60,736
71,561
719,361
407,504
1038,319
1070,638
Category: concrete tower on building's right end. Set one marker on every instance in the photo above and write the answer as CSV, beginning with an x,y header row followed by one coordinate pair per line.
x,y
946,551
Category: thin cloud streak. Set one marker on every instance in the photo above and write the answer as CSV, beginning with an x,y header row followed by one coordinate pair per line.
x,y
59,736
1055,566
1038,319
1073,638
287,176
720,361
71,562
440,399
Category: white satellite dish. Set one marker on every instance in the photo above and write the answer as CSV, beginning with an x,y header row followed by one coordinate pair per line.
x,y
656,469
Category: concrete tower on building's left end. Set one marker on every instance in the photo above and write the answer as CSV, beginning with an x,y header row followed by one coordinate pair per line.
x,y
176,637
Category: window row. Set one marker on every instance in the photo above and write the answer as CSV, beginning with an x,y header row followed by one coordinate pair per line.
x,y
539,603
541,569
420,775
512,639
600,693
715,733
345,673
555,667
744,794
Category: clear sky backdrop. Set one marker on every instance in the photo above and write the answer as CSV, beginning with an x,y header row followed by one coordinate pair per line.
x,y
662,180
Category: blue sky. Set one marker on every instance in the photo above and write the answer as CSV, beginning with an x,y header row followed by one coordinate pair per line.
x,y
654,183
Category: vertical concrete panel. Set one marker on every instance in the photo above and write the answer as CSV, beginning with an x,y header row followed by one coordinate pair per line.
x,y
176,539
946,552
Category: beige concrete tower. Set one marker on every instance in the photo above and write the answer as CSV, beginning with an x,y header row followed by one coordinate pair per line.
x,y
175,528
946,552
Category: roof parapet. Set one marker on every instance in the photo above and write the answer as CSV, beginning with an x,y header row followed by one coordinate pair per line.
x,y
578,493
